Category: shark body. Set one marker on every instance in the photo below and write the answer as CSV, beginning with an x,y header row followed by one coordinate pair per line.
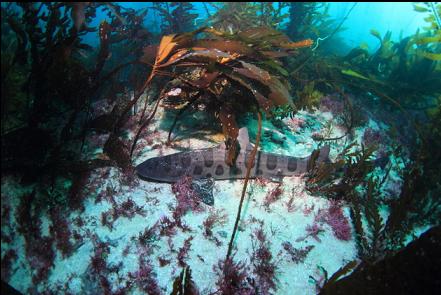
x,y
209,163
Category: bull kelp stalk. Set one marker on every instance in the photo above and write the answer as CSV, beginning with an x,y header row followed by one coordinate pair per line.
x,y
324,40
436,14
247,175
165,47
336,28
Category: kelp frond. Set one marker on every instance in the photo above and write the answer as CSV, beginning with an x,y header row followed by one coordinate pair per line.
x,y
212,72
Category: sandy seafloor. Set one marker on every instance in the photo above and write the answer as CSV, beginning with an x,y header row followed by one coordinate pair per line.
x,y
279,224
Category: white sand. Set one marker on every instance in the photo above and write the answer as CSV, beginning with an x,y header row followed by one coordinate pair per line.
x,y
158,200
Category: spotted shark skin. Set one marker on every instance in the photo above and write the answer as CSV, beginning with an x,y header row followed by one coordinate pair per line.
x,y
210,163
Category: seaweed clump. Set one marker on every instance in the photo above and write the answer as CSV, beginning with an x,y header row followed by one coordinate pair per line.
x,y
221,75
177,17
416,205
234,16
58,98
46,117
233,277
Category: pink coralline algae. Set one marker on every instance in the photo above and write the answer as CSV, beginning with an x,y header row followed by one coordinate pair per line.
x,y
371,137
145,277
77,192
187,198
333,104
100,270
126,209
264,266
376,138
163,261
232,278
41,256
296,123
150,235
290,206
166,227
334,216
61,231
129,209
260,181
312,231
297,255
215,218
183,252
307,210
272,197
150,141
39,251
97,261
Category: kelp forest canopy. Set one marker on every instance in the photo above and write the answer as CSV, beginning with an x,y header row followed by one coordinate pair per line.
x,y
238,60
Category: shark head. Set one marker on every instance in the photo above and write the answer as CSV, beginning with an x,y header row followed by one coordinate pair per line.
x,y
196,163
165,169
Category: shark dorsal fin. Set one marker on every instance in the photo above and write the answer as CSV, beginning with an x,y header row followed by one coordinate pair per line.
x,y
243,138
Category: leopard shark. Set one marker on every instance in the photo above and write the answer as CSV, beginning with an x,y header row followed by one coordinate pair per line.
x,y
204,166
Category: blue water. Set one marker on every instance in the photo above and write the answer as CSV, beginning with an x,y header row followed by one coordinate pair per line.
x,y
397,17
